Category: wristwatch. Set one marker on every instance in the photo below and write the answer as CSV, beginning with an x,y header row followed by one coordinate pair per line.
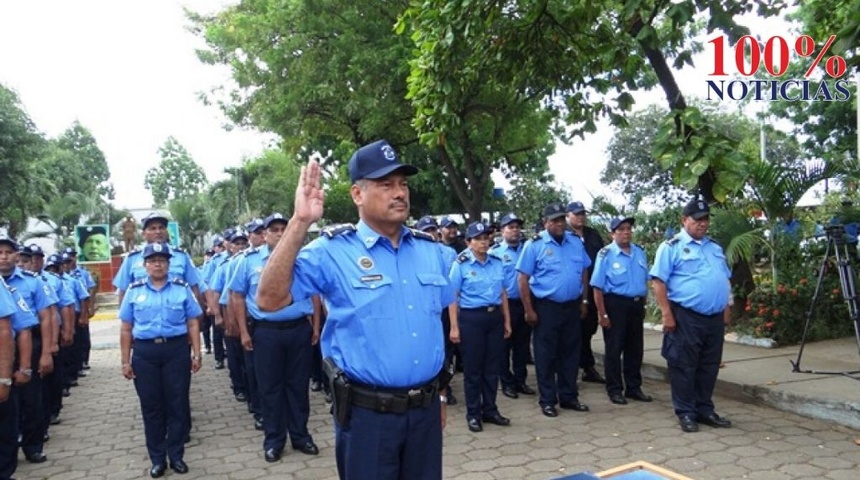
x,y
6,382
443,399
605,316
585,301
27,372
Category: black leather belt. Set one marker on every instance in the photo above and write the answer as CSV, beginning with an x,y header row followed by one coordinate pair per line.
x,y
640,299
385,400
488,308
285,325
163,340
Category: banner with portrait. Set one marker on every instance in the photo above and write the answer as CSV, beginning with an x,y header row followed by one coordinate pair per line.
x,y
93,243
173,234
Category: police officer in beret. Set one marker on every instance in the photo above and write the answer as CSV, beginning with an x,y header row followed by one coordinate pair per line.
x,y
480,323
691,283
620,286
576,220
160,317
553,282
384,286
518,345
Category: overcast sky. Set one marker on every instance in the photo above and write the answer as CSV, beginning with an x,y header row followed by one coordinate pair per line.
x,y
128,72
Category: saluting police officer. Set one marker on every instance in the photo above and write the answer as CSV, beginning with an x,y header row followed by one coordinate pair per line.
x,y
518,346
480,323
159,319
38,297
384,286
281,344
553,283
620,286
691,283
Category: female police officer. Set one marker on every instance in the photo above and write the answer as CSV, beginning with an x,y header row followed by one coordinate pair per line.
x,y
159,318
481,325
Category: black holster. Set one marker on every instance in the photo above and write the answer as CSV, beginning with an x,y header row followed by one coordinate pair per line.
x,y
341,392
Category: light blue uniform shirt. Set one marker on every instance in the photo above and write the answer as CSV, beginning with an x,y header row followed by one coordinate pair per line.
x,y
479,284
14,306
85,276
384,304
132,269
58,286
621,273
509,256
78,289
35,292
695,272
161,312
245,281
210,267
555,269
225,275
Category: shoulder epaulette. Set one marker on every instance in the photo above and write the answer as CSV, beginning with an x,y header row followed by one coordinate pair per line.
x,y
179,281
673,240
177,249
536,236
134,250
30,273
252,251
10,288
422,235
462,258
603,252
340,229
638,246
137,283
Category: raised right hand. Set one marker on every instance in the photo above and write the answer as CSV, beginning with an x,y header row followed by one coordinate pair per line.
x,y
310,196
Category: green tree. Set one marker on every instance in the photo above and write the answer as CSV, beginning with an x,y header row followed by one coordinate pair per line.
x,y
177,175
530,194
192,216
24,180
336,79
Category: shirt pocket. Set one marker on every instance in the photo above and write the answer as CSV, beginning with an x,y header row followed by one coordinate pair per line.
x,y
368,294
690,263
617,276
431,291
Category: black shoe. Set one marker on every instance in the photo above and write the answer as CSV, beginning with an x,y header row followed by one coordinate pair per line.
x,y
55,419
258,424
328,398
86,366
308,448
715,421
452,400
591,375
617,399
219,364
316,386
73,383
639,396
497,419
549,411
46,437
272,455
179,467
526,390
530,360
475,425
157,470
241,397
37,457
574,405
510,392
208,351
66,392
82,374
688,424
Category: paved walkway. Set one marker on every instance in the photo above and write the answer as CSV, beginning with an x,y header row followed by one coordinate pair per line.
x,y
101,434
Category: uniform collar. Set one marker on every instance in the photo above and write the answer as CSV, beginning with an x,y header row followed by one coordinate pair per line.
x,y
547,238
686,238
17,272
263,250
369,237
615,248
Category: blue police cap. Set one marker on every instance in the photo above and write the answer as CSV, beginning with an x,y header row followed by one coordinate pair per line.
x,y
54,260
476,228
376,160
237,234
228,233
217,241
65,257
576,207
447,221
510,217
35,250
70,251
275,217
617,221
155,217
209,252
553,211
254,225
157,248
697,209
426,222
8,241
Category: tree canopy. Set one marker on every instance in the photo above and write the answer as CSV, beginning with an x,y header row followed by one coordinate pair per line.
x,y
177,175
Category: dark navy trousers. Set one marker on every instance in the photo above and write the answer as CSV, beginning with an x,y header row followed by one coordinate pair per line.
x,y
283,352
482,343
517,347
218,343
557,344
162,378
623,338
693,353
391,446
32,417
236,364
9,435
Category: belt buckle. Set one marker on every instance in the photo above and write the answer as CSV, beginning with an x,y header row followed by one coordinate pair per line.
x,y
637,299
415,392
491,309
159,340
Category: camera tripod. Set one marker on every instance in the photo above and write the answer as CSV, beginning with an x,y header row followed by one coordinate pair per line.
x,y
837,245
